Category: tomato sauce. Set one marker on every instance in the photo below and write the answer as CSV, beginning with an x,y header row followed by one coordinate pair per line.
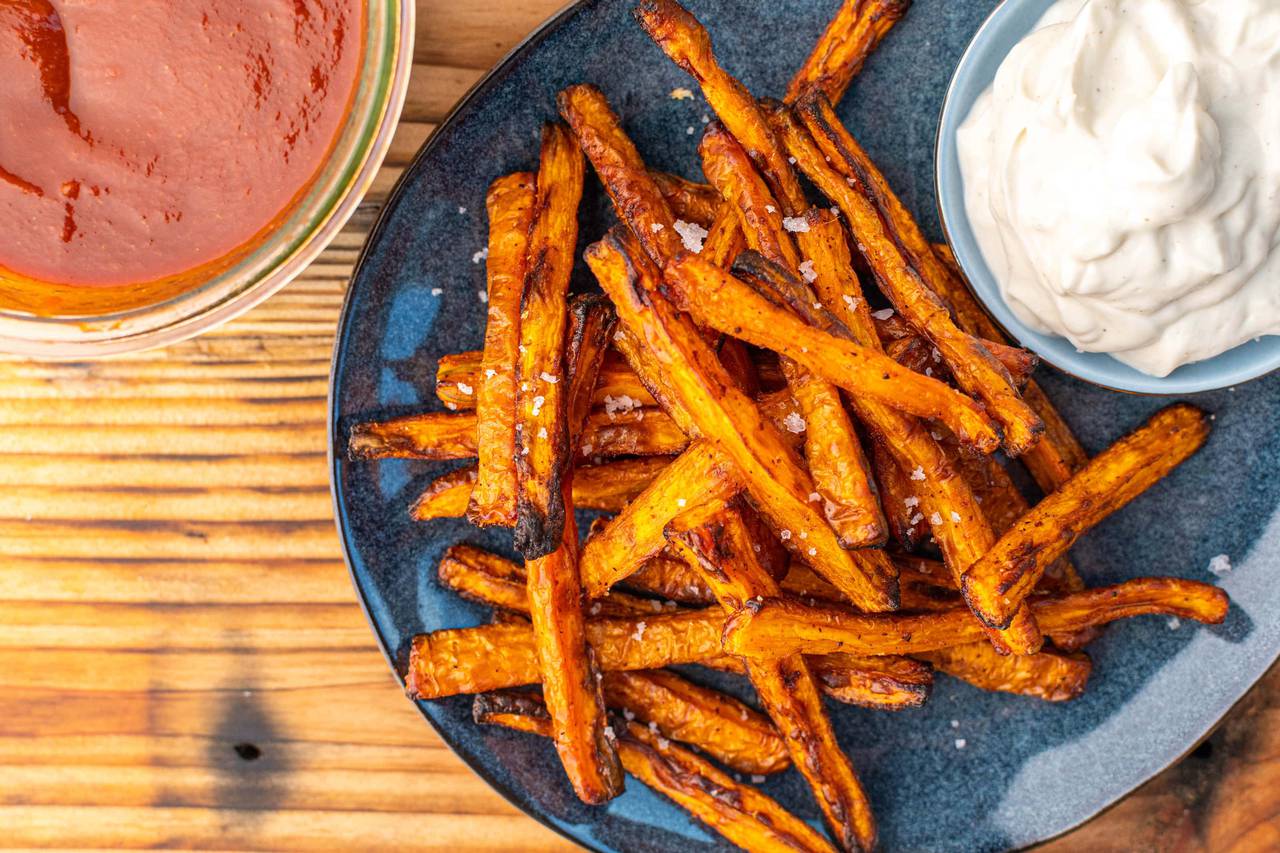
x,y
141,140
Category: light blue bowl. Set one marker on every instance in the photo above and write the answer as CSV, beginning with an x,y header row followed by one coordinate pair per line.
x,y
1006,26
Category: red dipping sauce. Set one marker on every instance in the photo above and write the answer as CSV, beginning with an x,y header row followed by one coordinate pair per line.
x,y
145,143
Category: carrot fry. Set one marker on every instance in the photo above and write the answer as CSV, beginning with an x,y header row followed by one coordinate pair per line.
x,y
688,200
841,474
722,551
458,375
1051,676
972,366
510,207
699,482
570,680
635,432
688,44
729,168
719,300
541,431
493,657
446,496
882,682
482,576
729,731
433,436
440,436
885,683
703,390
853,33
996,585
634,192
783,626
739,812
609,487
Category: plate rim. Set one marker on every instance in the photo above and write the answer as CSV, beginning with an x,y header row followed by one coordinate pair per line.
x,y
344,327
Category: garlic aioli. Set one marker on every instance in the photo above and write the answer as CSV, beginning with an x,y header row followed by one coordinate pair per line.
x,y
1122,177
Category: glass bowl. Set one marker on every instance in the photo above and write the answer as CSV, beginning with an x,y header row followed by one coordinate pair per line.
x,y
313,222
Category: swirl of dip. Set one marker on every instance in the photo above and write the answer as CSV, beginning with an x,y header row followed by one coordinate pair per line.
x,y
1122,176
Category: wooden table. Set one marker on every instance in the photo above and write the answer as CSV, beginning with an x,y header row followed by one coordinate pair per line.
x,y
182,660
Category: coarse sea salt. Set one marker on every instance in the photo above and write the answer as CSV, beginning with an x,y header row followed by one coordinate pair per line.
x,y
795,224
794,422
691,234
936,518
807,270
1220,565
882,314
465,388
547,377
918,473
619,405
480,255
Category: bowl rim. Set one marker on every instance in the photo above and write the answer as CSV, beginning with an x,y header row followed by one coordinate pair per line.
x,y
204,318
1096,368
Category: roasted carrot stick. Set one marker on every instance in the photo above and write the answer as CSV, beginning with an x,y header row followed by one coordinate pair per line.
x,y
510,207
541,429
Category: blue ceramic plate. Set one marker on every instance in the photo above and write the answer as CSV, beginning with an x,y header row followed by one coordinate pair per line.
x,y
1027,770
976,70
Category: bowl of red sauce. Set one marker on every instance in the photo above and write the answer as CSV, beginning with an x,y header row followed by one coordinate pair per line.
x,y
165,167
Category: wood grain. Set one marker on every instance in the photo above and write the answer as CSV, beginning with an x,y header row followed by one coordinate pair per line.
x,y
182,662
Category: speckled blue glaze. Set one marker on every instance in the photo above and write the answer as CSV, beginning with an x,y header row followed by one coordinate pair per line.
x,y
1028,770
977,67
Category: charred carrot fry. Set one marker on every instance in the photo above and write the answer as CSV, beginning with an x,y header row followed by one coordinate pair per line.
x,y
570,680
783,626
687,43
452,435
510,207
700,481
541,430
996,585
854,32
724,728
1049,675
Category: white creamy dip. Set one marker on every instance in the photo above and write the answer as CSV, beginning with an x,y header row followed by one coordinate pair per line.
x,y
1123,177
